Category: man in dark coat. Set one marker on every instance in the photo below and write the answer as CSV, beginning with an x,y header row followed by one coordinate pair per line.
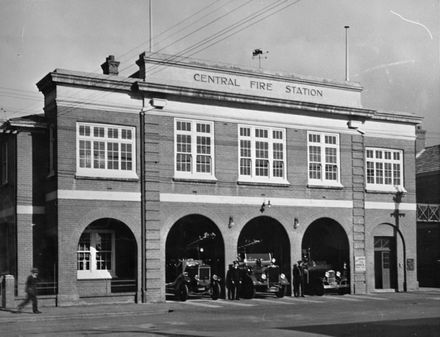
x,y
303,274
31,292
229,283
296,280
235,276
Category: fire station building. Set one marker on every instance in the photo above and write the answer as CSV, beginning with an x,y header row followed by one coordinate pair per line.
x,y
121,174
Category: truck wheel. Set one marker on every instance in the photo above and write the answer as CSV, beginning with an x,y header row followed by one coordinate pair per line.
x,y
281,291
182,292
215,291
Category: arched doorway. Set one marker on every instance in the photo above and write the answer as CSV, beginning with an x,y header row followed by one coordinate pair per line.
x,y
326,242
385,256
266,235
107,258
194,237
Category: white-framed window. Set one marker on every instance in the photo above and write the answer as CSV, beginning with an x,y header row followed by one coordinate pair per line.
x,y
194,149
4,163
262,154
106,151
96,254
323,157
384,169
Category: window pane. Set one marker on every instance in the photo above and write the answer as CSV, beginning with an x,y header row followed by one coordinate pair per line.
x,y
98,131
112,156
85,154
203,164
99,155
330,155
103,247
379,173
278,169
262,168
245,166
314,153
245,148
126,157
262,150
183,162
113,133
314,171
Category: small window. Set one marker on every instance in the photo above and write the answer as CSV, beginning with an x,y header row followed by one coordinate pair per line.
x,y
323,159
262,154
105,151
194,149
96,254
384,169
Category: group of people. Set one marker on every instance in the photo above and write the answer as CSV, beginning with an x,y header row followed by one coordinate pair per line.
x,y
300,275
233,281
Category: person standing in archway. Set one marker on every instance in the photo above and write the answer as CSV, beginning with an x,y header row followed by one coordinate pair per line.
x,y
303,275
296,280
235,273
229,283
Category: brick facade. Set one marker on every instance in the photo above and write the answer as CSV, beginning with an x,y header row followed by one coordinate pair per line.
x,y
74,204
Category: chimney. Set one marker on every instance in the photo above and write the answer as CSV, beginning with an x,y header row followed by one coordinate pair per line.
x,y
420,138
110,66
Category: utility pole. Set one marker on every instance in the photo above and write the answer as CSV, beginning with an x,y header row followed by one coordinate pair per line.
x,y
347,77
150,47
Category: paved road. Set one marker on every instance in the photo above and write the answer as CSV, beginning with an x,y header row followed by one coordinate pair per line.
x,y
390,314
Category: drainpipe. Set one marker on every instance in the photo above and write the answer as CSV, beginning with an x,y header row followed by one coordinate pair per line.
x,y
143,225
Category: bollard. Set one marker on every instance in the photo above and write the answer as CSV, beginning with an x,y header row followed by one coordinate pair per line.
x,y
8,292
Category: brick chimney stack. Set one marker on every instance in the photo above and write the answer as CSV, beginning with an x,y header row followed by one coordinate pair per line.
x,y
420,138
110,66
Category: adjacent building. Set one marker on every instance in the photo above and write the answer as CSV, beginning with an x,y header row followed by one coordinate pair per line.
x,y
122,175
428,215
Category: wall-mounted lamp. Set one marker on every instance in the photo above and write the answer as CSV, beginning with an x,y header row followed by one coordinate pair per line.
x,y
231,222
295,223
264,205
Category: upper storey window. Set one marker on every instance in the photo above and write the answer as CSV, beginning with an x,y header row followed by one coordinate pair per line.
x,y
105,151
323,159
262,154
194,149
384,169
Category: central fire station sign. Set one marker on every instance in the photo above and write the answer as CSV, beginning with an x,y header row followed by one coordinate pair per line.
x,y
255,84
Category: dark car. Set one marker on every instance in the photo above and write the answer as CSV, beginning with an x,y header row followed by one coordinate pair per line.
x,y
259,273
192,277
322,278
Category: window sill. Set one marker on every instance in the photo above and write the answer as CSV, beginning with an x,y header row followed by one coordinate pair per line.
x,y
87,177
95,275
195,180
263,183
385,189
326,187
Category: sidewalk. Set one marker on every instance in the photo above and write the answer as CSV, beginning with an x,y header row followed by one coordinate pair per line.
x,y
73,312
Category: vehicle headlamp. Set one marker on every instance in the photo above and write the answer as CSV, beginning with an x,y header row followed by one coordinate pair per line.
x,y
215,277
263,276
326,274
197,277
338,274
282,276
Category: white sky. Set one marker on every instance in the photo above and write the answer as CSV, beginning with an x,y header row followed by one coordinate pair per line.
x,y
394,44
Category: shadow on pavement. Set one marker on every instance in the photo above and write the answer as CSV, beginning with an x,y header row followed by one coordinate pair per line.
x,y
423,327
